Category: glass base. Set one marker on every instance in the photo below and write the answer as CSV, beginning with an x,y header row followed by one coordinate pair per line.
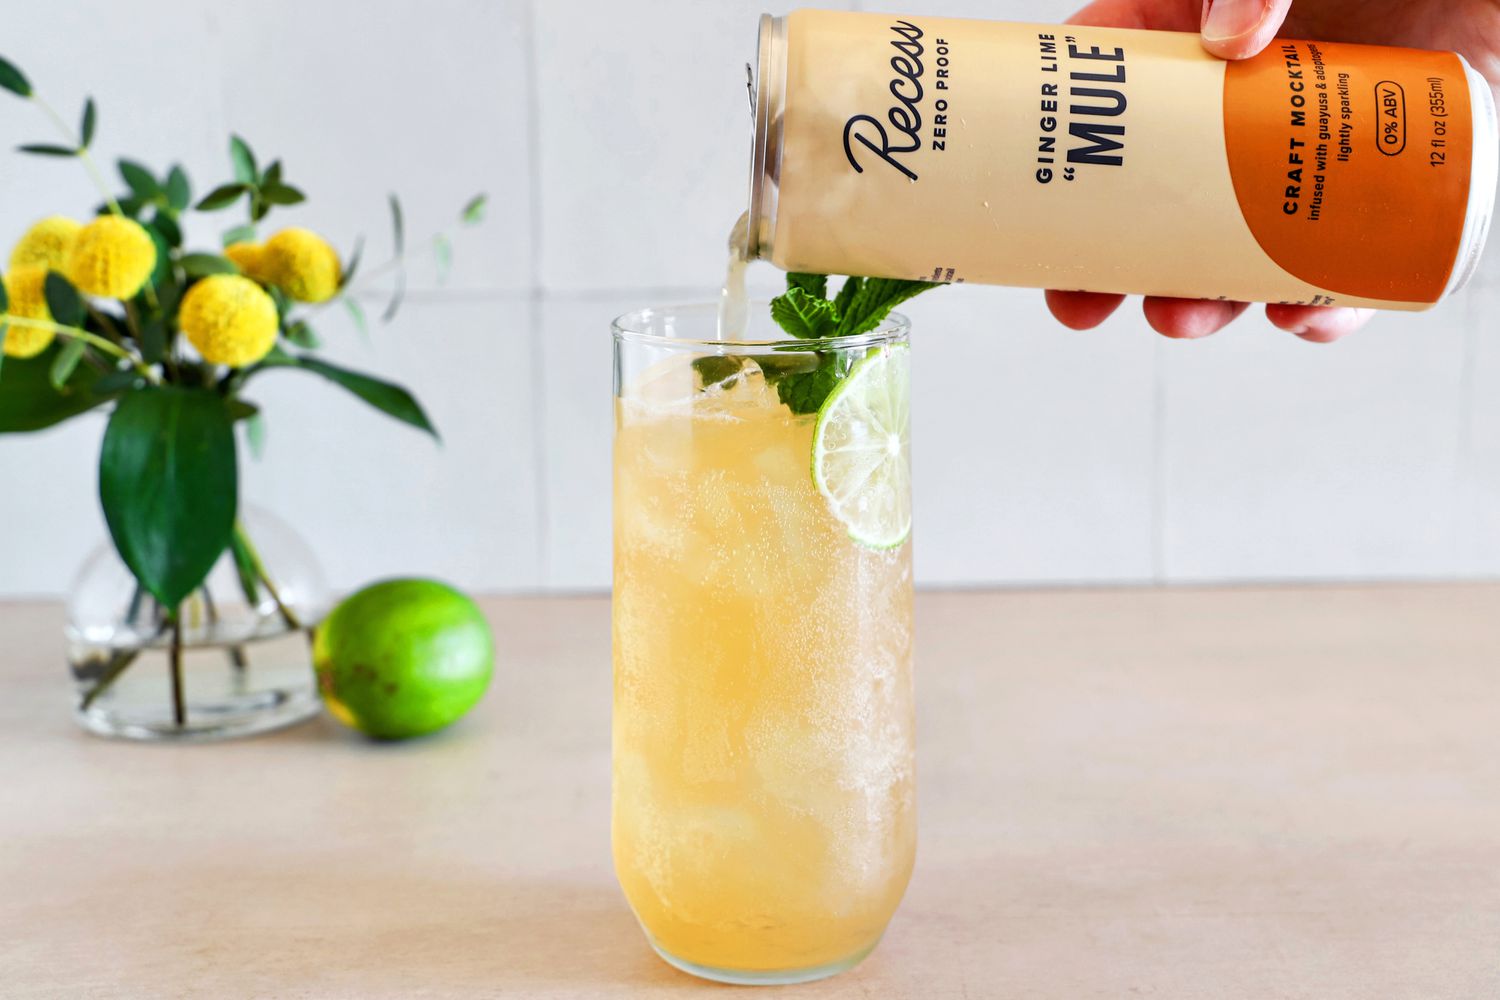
x,y
231,718
760,977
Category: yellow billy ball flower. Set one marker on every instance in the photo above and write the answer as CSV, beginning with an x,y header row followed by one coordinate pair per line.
x,y
250,259
46,244
112,258
28,300
229,319
302,264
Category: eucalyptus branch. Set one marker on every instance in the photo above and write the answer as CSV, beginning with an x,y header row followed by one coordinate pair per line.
x,y
81,151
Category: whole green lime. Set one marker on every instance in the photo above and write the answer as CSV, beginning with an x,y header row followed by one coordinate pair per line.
x,y
402,658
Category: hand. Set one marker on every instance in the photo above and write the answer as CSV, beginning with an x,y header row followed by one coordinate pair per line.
x,y
1237,29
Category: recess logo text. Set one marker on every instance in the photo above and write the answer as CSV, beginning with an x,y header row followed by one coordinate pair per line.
x,y
904,118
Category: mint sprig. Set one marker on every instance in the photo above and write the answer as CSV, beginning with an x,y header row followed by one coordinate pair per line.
x,y
804,380
805,312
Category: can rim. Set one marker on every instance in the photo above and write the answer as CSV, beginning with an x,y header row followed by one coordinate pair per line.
x,y
762,185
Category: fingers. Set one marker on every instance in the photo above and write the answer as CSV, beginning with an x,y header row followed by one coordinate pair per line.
x,y
1082,310
1188,319
1238,29
1319,324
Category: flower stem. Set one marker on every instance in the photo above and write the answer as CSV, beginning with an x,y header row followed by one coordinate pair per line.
x,y
179,708
92,339
287,614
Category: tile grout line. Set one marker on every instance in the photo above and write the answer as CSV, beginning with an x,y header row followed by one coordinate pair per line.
x,y
535,298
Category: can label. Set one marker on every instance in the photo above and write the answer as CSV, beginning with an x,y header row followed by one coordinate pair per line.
x,y
1115,160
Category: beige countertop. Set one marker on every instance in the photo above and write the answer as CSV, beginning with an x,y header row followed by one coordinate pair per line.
x,y
1258,793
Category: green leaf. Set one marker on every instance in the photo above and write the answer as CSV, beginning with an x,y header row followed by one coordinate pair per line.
x,y
714,369
179,190
4,332
201,265
302,335
239,234
245,567
153,341
272,176
255,435
398,225
846,295
169,486
473,212
804,316
171,233
282,300
387,397
162,273
47,149
805,392
357,314
442,251
130,207
13,80
259,207
141,181
118,380
63,300
241,409
65,363
282,194
88,123
873,301
28,402
815,285
353,265
4,299
243,160
398,295
222,197
776,367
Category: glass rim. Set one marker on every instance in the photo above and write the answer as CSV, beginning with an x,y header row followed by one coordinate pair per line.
x,y
895,328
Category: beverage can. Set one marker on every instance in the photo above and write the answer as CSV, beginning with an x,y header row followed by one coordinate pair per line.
x,y
1118,160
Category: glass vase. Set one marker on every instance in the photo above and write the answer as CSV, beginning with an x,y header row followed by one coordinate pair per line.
x,y
242,664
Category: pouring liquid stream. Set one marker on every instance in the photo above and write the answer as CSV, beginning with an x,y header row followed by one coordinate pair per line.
x,y
734,306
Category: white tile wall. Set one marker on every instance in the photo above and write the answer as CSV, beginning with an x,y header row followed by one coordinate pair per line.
x,y
612,140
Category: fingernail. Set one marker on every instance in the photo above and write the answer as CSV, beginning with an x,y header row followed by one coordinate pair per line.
x,y
1224,19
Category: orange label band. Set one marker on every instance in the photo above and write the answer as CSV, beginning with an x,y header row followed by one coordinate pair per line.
x,y
1351,164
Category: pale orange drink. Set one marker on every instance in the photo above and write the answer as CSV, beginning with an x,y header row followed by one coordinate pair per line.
x,y
764,815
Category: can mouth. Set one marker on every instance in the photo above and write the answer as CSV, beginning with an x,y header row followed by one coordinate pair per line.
x,y
768,88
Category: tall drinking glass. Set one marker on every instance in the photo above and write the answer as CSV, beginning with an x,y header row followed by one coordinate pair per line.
x,y
764,821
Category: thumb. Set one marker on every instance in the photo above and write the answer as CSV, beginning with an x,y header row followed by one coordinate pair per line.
x,y
1239,29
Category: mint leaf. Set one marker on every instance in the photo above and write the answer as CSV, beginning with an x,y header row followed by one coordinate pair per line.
x,y
776,367
872,302
846,295
805,392
803,316
715,368
815,285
